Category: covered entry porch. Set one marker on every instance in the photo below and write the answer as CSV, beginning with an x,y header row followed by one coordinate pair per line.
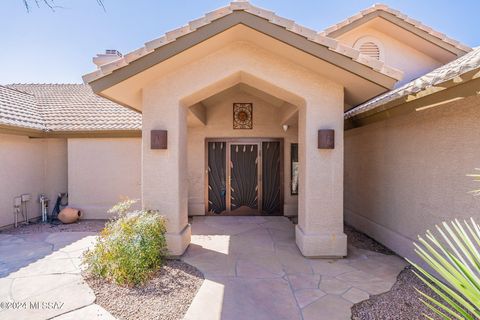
x,y
185,84
242,167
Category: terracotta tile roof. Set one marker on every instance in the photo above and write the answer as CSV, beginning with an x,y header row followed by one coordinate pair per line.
x,y
19,109
382,7
63,107
449,71
289,25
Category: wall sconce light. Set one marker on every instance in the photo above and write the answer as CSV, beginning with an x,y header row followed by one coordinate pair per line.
x,y
158,139
285,127
326,139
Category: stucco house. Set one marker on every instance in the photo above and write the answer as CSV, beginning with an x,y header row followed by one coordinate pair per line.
x,y
243,112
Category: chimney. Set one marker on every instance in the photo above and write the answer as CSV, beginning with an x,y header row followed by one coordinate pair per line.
x,y
107,57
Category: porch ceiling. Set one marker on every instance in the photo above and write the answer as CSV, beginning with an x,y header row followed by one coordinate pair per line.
x,y
198,113
362,78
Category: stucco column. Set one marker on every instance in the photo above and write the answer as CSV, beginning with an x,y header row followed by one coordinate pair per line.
x,y
319,232
164,172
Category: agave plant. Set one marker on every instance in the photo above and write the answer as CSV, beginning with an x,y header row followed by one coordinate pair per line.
x,y
455,256
477,178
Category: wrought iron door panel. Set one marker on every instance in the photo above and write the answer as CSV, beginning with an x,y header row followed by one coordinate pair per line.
x,y
216,177
243,176
271,182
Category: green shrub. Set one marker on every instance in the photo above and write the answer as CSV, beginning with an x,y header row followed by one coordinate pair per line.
x,y
455,256
130,248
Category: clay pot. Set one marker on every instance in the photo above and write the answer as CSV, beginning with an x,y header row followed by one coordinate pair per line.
x,y
69,215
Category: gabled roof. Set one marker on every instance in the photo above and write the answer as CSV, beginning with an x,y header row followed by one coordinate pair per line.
x,y
63,108
398,18
237,9
19,109
455,70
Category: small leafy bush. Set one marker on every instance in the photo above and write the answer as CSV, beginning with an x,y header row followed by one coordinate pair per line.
x,y
130,248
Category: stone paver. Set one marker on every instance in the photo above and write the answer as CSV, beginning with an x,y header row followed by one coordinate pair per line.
x,y
254,270
40,276
93,311
355,295
329,307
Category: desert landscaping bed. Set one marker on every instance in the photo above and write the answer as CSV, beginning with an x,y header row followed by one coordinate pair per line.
x,y
402,301
362,241
39,227
166,296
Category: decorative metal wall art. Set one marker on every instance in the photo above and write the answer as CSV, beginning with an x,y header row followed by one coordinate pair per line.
x,y
242,116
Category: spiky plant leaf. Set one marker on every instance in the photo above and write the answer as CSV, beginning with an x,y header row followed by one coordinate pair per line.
x,y
477,179
455,256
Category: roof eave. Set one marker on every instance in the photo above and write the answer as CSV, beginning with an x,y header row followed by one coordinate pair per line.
x,y
35,133
463,86
369,70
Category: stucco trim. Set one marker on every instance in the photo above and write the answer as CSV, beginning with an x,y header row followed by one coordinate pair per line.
x,y
440,93
4,129
69,134
125,70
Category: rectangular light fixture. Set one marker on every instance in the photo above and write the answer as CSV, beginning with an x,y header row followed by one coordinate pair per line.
x,y
158,139
326,139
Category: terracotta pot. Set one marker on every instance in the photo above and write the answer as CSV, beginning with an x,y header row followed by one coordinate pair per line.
x,y
69,215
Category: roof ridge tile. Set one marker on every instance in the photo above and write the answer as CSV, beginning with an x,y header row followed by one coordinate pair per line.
x,y
211,16
416,23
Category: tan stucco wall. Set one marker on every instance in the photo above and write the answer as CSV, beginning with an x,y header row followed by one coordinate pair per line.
x,y
32,166
267,120
101,172
396,53
406,174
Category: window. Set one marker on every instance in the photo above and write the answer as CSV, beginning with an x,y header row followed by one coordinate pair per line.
x,y
294,169
370,47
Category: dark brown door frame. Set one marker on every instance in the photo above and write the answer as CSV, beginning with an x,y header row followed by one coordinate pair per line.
x,y
234,141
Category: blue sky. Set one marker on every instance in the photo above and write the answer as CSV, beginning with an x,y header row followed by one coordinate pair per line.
x,y
54,47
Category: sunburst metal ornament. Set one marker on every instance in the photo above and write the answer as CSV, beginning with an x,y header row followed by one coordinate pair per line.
x,y
242,116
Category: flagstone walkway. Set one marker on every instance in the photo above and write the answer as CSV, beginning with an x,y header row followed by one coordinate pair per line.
x,y
40,277
254,270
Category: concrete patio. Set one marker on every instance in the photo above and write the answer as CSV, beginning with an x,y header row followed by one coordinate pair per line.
x,y
40,277
254,270
252,266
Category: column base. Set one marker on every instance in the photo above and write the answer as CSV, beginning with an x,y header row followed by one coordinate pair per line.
x,y
321,245
177,243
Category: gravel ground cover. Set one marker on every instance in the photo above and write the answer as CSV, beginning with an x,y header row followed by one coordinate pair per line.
x,y
400,303
362,241
166,296
39,227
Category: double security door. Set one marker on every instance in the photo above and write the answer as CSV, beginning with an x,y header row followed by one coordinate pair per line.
x,y
244,177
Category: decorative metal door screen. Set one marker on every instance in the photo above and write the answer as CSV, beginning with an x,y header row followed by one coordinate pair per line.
x,y
251,183
217,187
